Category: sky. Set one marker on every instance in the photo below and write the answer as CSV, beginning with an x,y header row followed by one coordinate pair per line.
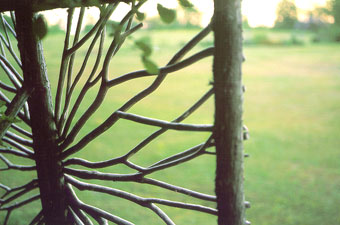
x,y
258,12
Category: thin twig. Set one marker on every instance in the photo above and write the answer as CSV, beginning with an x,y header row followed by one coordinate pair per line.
x,y
11,166
77,78
178,189
163,124
20,204
146,202
15,152
178,161
12,74
63,66
103,87
96,213
18,188
9,45
102,20
7,87
184,115
86,174
114,117
37,218
82,216
20,140
19,146
29,187
21,130
167,69
72,216
89,83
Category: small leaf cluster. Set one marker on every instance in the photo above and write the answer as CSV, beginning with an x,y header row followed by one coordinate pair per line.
x,y
169,15
40,27
144,44
4,117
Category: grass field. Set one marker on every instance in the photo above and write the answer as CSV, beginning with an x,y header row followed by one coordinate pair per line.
x,y
291,108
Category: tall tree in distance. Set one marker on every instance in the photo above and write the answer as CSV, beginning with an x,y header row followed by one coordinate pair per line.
x,y
286,14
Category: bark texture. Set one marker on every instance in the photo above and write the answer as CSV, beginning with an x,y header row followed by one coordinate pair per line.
x,y
49,169
227,27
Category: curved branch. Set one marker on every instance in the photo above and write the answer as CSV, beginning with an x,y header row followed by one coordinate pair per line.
x,y
27,188
146,202
20,204
157,82
85,174
93,165
162,123
179,189
81,215
37,219
104,75
96,213
8,44
63,66
183,154
12,74
102,20
161,214
178,161
20,140
7,87
19,147
11,190
15,152
167,69
84,89
11,166
22,131
14,108
69,90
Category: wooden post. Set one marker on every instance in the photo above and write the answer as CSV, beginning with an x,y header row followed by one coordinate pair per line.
x,y
227,27
46,153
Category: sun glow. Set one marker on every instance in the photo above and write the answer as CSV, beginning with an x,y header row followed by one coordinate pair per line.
x,y
258,12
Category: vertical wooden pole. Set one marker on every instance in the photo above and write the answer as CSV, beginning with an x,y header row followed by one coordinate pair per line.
x,y
49,168
227,27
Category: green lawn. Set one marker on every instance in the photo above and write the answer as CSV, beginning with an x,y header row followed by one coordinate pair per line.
x,y
291,109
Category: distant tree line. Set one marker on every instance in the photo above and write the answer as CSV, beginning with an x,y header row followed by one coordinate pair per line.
x,y
287,15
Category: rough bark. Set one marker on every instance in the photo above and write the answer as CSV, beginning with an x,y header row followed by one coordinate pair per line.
x,y
49,169
228,112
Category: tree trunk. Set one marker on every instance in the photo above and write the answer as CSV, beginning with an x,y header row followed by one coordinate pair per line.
x,y
227,26
49,168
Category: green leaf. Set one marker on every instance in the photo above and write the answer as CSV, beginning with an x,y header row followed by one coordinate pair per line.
x,y
150,66
40,27
9,119
2,103
114,28
167,15
185,3
144,44
140,16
